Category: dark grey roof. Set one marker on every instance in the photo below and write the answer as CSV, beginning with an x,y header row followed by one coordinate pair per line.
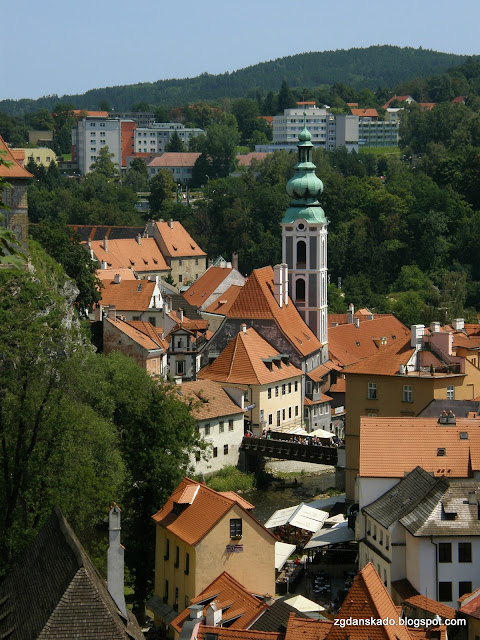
x,y
276,616
55,593
189,310
461,408
402,498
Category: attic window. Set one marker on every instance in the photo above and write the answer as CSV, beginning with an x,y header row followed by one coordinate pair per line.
x,y
155,261
145,261
357,343
211,636
192,247
174,247
139,287
394,337
441,451
463,435
132,262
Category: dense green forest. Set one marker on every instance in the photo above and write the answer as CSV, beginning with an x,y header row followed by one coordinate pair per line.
x,y
372,67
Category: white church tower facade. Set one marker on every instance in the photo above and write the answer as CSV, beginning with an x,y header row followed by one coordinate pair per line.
x,y
304,243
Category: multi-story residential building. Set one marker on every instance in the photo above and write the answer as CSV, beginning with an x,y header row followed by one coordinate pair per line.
x,y
186,340
199,534
374,132
155,138
141,255
213,283
220,423
15,216
401,379
40,155
133,299
270,385
180,164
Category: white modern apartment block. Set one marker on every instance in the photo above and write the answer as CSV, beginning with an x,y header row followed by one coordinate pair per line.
x,y
154,139
93,133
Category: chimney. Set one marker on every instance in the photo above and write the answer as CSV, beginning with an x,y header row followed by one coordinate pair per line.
x,y
112,312
417,331
213,615
168,304
244,327
195,611
115,571
170,223
89,243
210,262
235,260
117,278
104,264
458,324
180,314
105,243
139,238
370,316
278,284
435,327
356,322
350,313
285,283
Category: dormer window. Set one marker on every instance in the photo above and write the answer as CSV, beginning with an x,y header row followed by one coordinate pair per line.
x,y
441,451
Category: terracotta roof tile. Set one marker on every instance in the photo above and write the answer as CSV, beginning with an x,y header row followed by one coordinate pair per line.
x,y
319,372
372,113
178,242
339,386
128,295
470,605
226,590
128,253
174,159
390,447
307,629
14,170
243,362
143,339
348,344
367,598
209,399
234,496
206,284
231,633
92,114
107,275
223,304
245,159
155,333
431,606
256,301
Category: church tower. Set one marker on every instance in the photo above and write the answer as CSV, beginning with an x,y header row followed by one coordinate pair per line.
x,y
304,243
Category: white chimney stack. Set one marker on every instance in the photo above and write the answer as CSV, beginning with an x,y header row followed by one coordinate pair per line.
x,y
117,278
139,238
285,283
356,322
112,312
278,288
350,313
458,324
180,314
244,328
170,223
435,327
104,264
115,563
417,334
213,615
105,243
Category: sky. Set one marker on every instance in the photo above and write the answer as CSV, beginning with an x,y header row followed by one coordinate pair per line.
x,y
59,47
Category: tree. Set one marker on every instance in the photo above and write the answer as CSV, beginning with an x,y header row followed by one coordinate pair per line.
x,y
175,143
103,165
162,186
218,148
285,98
141,106
161,114
10,250
137,176
104,105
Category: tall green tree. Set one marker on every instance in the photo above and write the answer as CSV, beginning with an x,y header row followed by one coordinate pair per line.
x,y
175,143
162,187
103,165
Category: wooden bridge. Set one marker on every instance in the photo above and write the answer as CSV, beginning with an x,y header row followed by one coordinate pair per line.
x,y
287,450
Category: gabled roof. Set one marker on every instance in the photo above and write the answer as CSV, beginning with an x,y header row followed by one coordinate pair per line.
x,y
155,333
208,398
199,292
223,303
245,159
391,447
55,592
459,99
247,359
470,605
398,99
276,617
178,242
319,372
148,342
229,633
128,253
108,275
431,606
300,516
348,344
230,596
385,361
307,629
193,522
128,295
90,114
256,300
362,113
402,498
368,597
174,159
15,170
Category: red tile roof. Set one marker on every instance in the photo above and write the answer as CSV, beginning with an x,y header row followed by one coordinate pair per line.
x,y
243,362
431,606
307,629
128,253
339,386
391,447
470,605
174,159
367,598
348,345
397,98
107,275
128,295
178,242
231,633
223,304
208,398
319,372
205,285
245,159
142,338
155,333
198,518
256,301
225,591
14,170
92,114
459,99
428,106
362,113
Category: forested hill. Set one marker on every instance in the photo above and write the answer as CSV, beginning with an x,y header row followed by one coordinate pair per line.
x,y
359,68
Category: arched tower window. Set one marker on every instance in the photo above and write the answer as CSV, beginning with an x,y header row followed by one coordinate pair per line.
x,y
300,290
301,255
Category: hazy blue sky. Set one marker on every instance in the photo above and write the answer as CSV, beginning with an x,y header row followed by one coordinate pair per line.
x,y
63,47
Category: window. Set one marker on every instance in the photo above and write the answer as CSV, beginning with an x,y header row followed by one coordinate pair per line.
x,y
301,254
269,392
276,392
187,564
180,263
300,290
270,418
278,418
296,410
180,367
196,262
289,387
167,549
407,393
165,596
215,452
445,552
175,603
464,587
465,552
207,429
296,385
374,532
289,412
451,392
235,527
387,542
284,388
180,278
221,426
225,449
230,425
177,556
445,591
372,391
